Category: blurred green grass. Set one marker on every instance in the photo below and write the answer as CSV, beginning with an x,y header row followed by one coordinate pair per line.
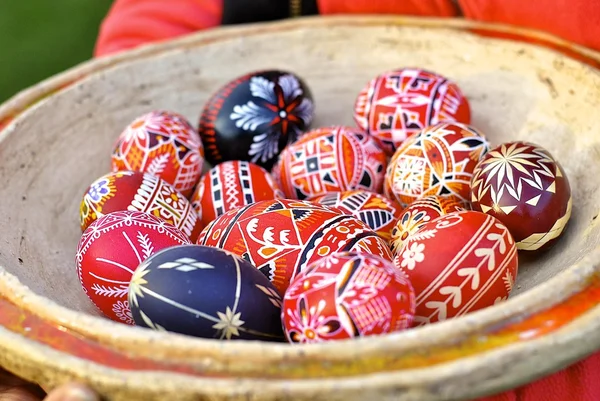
x,y
40,38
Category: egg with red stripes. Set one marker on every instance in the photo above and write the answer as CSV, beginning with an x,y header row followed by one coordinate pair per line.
x,y
230,185
440,160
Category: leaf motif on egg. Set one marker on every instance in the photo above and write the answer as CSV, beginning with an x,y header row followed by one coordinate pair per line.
x,y
277,113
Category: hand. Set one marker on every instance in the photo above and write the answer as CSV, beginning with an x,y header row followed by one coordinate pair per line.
x,y
14,389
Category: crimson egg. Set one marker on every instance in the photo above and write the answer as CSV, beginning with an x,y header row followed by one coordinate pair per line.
x,y
459,263
346,295
402,102
142,192
524,187
112,248
164,144
230,185
331,159
281,237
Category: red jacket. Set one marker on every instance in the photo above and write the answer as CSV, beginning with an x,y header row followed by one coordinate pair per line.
x,y
131,23
134,22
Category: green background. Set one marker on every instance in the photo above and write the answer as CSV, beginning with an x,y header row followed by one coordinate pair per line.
x,y
39,38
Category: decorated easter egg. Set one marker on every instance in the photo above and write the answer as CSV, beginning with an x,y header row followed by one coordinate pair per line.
x,y
110,250
420,212
255,116
347,295
332,159
281,237
142,192
524,187
437,161
205,292
163,144
375,210
230,185
402,102
459,263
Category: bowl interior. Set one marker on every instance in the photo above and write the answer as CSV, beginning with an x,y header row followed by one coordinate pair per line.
x,y
516,91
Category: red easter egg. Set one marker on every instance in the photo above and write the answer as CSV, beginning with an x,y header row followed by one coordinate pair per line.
x,y
459,263
375,210
112,248
333,159
399,103
437,161
141,192
347,295
281,237
420,212
163,144
230,185
524,187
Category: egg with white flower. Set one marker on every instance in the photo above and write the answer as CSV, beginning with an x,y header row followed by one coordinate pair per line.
x,y
205,292
458,263
255,116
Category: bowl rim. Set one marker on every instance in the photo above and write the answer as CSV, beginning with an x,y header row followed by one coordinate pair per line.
x,y
568,284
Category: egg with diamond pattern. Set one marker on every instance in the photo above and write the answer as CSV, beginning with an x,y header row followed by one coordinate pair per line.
x,y
205,292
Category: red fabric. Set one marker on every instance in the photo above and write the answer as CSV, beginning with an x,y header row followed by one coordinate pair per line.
x,y
577,21
432,8
579,382
131,23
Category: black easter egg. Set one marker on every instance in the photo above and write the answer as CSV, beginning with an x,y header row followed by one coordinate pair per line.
x,y
255,116
205,292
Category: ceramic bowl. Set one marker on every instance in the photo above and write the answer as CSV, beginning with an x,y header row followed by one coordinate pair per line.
x,y
57,137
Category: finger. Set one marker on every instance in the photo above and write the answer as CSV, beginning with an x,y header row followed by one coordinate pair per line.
x,y
18,394
7,379
71,392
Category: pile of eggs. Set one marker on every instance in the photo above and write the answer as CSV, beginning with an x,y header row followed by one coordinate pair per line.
x,y
256,226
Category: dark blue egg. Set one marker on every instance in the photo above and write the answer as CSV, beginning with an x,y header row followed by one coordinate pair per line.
x,y
255,116
205,292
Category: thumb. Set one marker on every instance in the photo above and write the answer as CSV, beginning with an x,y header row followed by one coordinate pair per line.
x,y
70,392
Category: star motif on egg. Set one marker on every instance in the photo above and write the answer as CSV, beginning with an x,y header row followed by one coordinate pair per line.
x,y
229,323
137,283
512,166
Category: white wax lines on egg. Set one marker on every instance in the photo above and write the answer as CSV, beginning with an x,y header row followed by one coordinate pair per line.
x,y
132,247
